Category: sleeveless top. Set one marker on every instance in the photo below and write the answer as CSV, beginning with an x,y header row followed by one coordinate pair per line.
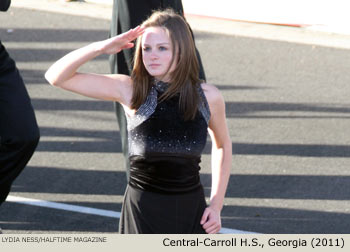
x,y
164,149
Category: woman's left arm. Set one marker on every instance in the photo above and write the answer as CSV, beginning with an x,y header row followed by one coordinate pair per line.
x,y
221,159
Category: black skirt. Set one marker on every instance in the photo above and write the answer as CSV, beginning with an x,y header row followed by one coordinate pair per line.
x,y
146,212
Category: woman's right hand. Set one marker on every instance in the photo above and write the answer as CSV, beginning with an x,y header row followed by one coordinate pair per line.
x,y
122,41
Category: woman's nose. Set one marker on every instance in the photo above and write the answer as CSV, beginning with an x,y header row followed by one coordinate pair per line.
x,y
154,55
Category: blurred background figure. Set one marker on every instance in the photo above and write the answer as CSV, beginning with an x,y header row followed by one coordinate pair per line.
x,y
19,132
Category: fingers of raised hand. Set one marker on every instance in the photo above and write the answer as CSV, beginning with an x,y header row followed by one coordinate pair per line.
x,y
139,30
134,33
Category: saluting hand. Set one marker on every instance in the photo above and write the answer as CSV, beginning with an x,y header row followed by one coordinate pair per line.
x,y
122,41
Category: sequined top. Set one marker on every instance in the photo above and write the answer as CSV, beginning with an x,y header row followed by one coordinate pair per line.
x,y
164,149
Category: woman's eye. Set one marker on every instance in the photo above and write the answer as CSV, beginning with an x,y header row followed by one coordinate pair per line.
x,y
146,49
162,48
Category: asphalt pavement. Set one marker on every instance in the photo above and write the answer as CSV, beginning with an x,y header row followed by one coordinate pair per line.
x,y
288,111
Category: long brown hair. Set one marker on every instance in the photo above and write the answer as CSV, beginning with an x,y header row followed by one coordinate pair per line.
x,y
184,79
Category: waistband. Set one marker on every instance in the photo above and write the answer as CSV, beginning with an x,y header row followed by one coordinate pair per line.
x,y
164,173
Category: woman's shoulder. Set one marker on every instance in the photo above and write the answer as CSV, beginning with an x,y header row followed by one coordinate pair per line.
x,y
212,93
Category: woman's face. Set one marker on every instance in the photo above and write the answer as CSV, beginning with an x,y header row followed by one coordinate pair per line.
x,y
157,53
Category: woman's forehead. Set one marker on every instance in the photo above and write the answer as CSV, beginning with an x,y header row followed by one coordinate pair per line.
x,y
155,34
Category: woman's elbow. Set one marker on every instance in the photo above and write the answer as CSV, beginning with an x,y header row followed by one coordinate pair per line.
x,y
51,79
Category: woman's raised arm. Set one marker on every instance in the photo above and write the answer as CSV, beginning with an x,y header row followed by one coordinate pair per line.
x,y
63,73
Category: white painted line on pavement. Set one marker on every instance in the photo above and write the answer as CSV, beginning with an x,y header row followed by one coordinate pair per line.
x,y
90,210
234,231
62,206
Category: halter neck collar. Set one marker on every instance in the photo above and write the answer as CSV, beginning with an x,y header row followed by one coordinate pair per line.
x,y
161,86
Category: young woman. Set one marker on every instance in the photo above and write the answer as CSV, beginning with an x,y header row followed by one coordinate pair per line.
x,y
169,112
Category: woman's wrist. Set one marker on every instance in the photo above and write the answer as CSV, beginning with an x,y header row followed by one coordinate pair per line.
x,y
97,48
215,207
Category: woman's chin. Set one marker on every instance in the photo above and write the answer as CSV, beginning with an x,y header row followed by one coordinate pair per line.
x,y
160,77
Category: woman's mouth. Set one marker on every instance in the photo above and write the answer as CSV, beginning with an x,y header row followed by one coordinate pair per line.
x,y
154,65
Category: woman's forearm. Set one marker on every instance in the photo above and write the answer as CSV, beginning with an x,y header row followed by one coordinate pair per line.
x,y
65,68
221,167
